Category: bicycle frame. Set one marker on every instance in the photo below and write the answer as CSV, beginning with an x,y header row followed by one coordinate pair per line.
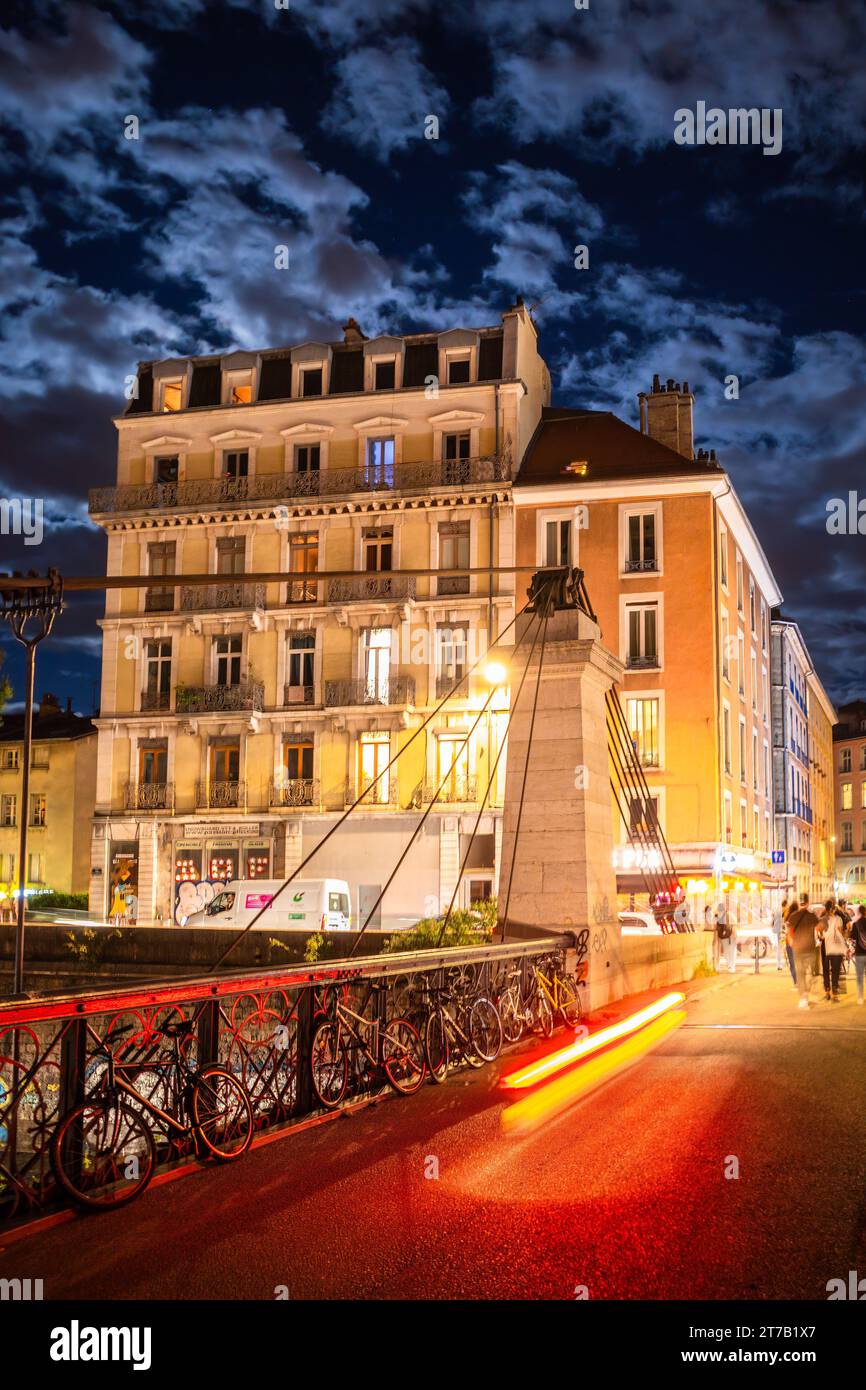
x,y
115,1082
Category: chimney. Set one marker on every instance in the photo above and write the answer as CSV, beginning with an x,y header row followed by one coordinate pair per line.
x,y
48,705
352,332
666,415
69,704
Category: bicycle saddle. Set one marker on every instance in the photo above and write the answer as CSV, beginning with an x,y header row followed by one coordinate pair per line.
x,y
176,1029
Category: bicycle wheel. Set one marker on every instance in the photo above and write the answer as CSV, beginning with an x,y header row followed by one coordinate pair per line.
x,y
403,1056
103,1154
221,1113
329,1062
511,1014
485,1029
541,1014
436,1048
569,1002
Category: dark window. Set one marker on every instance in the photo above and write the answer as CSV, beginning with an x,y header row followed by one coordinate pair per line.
x,y
490,358
386,376
420,361
347,371
307,457
143,402
166,467
299,760
275,382
231,552
311,381
228,660
236,464
458,371
206,383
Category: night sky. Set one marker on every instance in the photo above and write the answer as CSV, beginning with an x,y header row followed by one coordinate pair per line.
x,y
305,126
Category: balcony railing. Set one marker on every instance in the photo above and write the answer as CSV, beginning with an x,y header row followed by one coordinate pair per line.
x,y
641,566
452,584
217,796
205,699
394,690
384,793
155,699
276,487
459,792
382,588
446,683
635,662
299,695
159,600
209,598
149,796
294,792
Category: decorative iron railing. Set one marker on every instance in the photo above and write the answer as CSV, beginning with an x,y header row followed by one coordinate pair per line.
x,y
159,600
215,796
258,1023
393,690
294,791
460,790
155,699
205,699
446,683
208,598
452,584
149,796
382,793
299,695
386,588
277,487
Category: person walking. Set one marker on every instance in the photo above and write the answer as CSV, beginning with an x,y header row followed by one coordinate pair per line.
x,y
858,937
725,939
801,936
787,909
824,914
834,942
778,923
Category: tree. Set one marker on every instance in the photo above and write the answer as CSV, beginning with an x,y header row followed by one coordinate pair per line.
x,y
5,687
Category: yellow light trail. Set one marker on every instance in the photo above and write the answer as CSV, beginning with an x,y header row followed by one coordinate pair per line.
x,y
538,1071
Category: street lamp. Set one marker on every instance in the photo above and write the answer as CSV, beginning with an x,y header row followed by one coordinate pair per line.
x,y
495,672
30,614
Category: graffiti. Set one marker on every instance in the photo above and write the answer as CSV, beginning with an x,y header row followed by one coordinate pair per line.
x,y
599,940
194,897
601,911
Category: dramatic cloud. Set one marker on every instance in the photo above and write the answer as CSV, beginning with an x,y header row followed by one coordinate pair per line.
x,y
383,97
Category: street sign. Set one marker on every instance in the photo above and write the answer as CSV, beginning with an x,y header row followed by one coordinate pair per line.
x,y
777,856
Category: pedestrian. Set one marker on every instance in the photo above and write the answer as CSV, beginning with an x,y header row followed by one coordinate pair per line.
x,y
834,941
858,938
778,920
726,944
801,938
824,915
787,909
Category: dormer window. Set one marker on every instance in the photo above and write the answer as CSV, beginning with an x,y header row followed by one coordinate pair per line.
x,y
171,395
311,381
240,388
385,378
458,370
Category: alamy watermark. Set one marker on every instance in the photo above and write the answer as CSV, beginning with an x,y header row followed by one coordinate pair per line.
x,y
846,516
739,125
22,516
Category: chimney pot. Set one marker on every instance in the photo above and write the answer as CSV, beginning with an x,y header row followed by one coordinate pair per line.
x,y
656,383
666,415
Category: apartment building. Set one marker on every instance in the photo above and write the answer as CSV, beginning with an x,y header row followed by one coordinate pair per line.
x,y
849,786
803,719
683,593
238,719
60,801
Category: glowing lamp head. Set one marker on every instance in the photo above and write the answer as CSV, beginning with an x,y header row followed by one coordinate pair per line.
x,y
495,672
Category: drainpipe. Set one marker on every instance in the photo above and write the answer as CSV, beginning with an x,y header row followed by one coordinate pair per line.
x,y
490,515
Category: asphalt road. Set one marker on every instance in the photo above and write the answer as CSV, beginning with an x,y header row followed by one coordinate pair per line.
x,y
624,1194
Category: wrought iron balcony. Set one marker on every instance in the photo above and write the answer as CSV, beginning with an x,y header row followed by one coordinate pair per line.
x,y
446,683
394,690
635,662
228,593
458,791
155,699
216,796
294,792
149,796
380,587
384,793
641,566
278,487
299,695
452,584
159,600
204,699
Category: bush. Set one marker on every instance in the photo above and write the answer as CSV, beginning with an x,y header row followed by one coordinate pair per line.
x,y
46,902
472,926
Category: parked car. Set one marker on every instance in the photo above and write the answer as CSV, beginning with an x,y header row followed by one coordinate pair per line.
x,y
756,938
639,924
311,905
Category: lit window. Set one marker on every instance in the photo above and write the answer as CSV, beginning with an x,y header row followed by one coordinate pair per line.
x,y
643,724
172,396
847,790
642,635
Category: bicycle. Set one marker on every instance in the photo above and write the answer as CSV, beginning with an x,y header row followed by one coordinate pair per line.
x,y
473,1028
560,991
393,1048
103,1152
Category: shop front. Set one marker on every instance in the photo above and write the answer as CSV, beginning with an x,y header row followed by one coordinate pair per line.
x,y
207,856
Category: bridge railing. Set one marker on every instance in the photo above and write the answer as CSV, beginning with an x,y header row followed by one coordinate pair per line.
x,y
258,1023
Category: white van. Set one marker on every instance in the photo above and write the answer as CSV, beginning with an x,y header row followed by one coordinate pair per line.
x,y
308,905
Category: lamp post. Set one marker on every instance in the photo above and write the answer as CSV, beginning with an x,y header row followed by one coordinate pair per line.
x,y
30,614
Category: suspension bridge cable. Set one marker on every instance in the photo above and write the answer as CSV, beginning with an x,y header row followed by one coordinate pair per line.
x,y
547,603
335,827
490,782
416,832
